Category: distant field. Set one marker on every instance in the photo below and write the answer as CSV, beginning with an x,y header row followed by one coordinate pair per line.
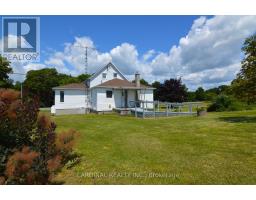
x,y
219,148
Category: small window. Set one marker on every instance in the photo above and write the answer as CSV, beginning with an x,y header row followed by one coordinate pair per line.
x,y
61,96
109,94
104,75
115,75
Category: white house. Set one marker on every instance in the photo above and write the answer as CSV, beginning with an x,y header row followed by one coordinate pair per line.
x,y
107,89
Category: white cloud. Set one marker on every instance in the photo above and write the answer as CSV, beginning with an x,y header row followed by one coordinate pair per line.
x,y
207,56
149,54
72,59
210,48
125,56
210,77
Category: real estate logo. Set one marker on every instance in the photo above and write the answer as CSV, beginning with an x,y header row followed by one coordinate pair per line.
x,y
21,39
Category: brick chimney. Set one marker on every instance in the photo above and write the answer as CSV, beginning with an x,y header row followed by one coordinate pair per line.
x,y
137,79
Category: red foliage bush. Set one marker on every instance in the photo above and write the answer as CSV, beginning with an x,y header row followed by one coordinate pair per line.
x,y
53,165
19,168
30,150
2,180
9,103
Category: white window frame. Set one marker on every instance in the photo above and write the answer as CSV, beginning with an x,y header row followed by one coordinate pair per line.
x,y
62,92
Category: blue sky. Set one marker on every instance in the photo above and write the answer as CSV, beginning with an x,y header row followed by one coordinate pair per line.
x,y
203,50
146,32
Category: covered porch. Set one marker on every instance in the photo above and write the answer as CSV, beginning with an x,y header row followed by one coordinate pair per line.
x,y
131,95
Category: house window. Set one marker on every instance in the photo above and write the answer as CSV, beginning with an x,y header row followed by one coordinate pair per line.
x,y
109,94
61,96
115,75
104,75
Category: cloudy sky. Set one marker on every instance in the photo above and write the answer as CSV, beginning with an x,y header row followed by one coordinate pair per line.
x,y
203,50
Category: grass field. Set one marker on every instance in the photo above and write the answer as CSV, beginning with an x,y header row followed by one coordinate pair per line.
x,y
219,148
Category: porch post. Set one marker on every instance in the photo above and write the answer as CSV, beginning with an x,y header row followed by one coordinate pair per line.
x,y
135,108
122,96
190,108
143,109
154,109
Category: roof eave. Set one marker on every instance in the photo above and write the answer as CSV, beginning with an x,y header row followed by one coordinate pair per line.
x,y
56,88
133,88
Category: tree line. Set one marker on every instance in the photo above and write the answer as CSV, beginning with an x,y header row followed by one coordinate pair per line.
x,y
38,83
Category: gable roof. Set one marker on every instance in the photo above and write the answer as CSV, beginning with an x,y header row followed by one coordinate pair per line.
x,y
105,67
124,84
71,86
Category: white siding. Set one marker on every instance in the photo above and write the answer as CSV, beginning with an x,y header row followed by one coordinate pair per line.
x,y
100,102
72,99
131,97
104,103
109,76
94,98
147,95
118,98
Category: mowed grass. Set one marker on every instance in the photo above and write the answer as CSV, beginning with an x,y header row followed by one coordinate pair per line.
x,y
219,148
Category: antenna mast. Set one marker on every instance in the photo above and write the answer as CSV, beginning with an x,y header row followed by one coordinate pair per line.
x,y
86,48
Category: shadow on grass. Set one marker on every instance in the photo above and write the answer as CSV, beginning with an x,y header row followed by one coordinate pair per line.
x,y
240,119
72,160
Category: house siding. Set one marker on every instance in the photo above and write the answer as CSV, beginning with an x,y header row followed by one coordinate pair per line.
x,y
101,103
109,76
104,103
72,99
147,95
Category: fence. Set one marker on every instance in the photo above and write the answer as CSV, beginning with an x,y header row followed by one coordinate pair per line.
x,y
149,109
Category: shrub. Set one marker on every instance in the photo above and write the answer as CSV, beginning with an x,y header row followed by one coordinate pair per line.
x,y
30,150
225,103
20,167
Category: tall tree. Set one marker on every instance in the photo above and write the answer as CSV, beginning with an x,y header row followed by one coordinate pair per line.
x,y
244,86
200,94
83,77
40,83
64,79
172,91
156,85
5,69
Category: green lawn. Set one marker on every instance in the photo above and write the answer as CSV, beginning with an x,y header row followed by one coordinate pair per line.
x,y
219,148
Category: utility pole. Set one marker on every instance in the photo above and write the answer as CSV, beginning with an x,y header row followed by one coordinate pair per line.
x,y
86,48
21,86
